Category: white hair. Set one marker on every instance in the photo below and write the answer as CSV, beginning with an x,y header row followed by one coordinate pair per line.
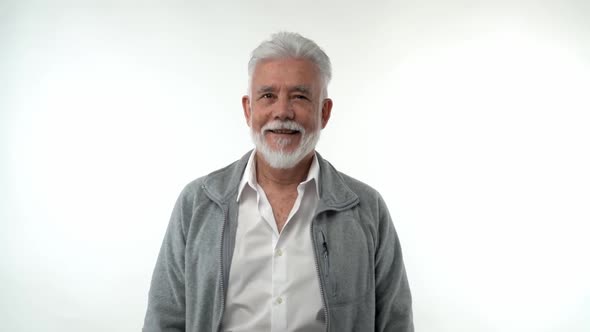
x,y
284,45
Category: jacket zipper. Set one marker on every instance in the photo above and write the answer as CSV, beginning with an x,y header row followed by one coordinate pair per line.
x,y
326,253
321,281
316,257
221,266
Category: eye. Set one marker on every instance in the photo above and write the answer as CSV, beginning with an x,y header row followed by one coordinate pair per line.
x,y
300,97
267,96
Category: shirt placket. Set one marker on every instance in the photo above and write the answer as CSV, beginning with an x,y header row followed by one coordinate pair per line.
x,y
278,310
279,279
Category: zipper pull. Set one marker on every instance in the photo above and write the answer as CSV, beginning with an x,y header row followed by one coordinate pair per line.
x,y
324,244
330,283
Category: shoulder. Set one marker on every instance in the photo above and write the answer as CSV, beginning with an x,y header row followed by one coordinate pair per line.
x,y
220,184
339,185
362,189
192,189
371,205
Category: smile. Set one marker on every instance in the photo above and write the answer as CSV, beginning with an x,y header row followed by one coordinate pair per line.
x,y
284,131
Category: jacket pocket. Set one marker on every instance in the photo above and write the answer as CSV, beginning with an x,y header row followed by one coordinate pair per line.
x,y
331,282
348,267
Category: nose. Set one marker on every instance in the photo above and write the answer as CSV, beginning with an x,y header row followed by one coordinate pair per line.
x,y
283,109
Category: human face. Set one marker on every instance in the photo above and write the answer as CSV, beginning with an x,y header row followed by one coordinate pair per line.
x,y
285,110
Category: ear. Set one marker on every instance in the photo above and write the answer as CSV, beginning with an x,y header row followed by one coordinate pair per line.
x,y
326,111
247,109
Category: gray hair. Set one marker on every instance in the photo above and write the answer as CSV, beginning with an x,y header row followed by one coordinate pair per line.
x,y
292,45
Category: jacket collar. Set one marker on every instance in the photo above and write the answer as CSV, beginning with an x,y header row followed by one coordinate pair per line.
x,y
222,185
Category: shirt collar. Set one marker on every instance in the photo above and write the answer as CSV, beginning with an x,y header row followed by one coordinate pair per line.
x,y
249,176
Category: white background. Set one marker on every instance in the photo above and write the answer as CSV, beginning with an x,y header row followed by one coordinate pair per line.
x,y
470,117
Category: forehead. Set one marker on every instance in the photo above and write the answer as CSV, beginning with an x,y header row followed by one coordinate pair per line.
x,y
286,72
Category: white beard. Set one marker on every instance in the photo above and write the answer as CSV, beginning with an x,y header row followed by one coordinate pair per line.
x,y
280,158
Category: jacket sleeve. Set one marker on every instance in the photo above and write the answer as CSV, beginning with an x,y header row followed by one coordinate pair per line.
x,y
166,300
392,291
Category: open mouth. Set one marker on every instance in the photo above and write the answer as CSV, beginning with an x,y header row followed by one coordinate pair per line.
x,y
284,131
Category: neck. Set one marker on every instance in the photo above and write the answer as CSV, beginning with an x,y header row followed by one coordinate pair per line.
x,y
287,178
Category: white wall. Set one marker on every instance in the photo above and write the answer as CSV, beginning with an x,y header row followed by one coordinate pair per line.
x,y
470,118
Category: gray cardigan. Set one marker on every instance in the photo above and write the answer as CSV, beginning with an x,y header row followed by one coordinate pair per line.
x,y
357,253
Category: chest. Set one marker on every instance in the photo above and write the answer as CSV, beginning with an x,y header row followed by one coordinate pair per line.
x,y
281,205
273,281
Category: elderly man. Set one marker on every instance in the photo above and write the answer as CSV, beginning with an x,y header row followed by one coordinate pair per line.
x,y
280,240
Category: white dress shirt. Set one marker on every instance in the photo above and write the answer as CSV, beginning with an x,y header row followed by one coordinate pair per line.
x,y
273,283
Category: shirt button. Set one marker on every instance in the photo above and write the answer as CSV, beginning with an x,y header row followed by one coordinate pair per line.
x,y
279,300
279,252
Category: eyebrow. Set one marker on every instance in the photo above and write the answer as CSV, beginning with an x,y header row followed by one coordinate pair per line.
x,y
265,89
301,88
297,88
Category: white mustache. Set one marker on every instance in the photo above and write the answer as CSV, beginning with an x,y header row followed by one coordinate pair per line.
x,y
287,125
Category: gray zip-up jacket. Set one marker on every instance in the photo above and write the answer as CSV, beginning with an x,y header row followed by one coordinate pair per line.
x,y
357,253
